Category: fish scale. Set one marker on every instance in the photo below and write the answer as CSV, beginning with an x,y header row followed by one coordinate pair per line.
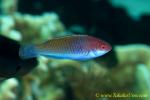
x,y
67,46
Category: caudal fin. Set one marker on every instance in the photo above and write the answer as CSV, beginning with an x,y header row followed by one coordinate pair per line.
x,y
28,51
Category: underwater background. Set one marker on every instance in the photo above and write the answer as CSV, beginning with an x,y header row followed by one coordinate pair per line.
x,y
123,73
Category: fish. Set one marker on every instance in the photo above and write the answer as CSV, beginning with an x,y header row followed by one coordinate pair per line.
x,y
74,47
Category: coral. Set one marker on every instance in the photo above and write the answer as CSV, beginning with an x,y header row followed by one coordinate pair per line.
x,y
143,80
43,27
9,7
134,8
24,27
9,89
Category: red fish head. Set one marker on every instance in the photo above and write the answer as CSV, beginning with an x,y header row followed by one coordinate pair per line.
x,y
102,48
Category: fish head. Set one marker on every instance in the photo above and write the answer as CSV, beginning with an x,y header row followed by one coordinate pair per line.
x,y
102,48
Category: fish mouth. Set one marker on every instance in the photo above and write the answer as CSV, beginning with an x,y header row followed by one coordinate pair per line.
x,y
109,47
99,52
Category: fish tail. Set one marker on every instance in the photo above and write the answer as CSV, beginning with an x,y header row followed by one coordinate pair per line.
x,y
28,51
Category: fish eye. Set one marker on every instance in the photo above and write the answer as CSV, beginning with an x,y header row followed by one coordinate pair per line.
x,y
103,47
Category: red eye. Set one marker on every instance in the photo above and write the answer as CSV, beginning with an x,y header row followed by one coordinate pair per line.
x,y
103,47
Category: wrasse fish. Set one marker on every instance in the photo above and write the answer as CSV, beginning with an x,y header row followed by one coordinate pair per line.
x,y
75,47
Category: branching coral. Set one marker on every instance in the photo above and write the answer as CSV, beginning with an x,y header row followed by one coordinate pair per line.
x,y
28,28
